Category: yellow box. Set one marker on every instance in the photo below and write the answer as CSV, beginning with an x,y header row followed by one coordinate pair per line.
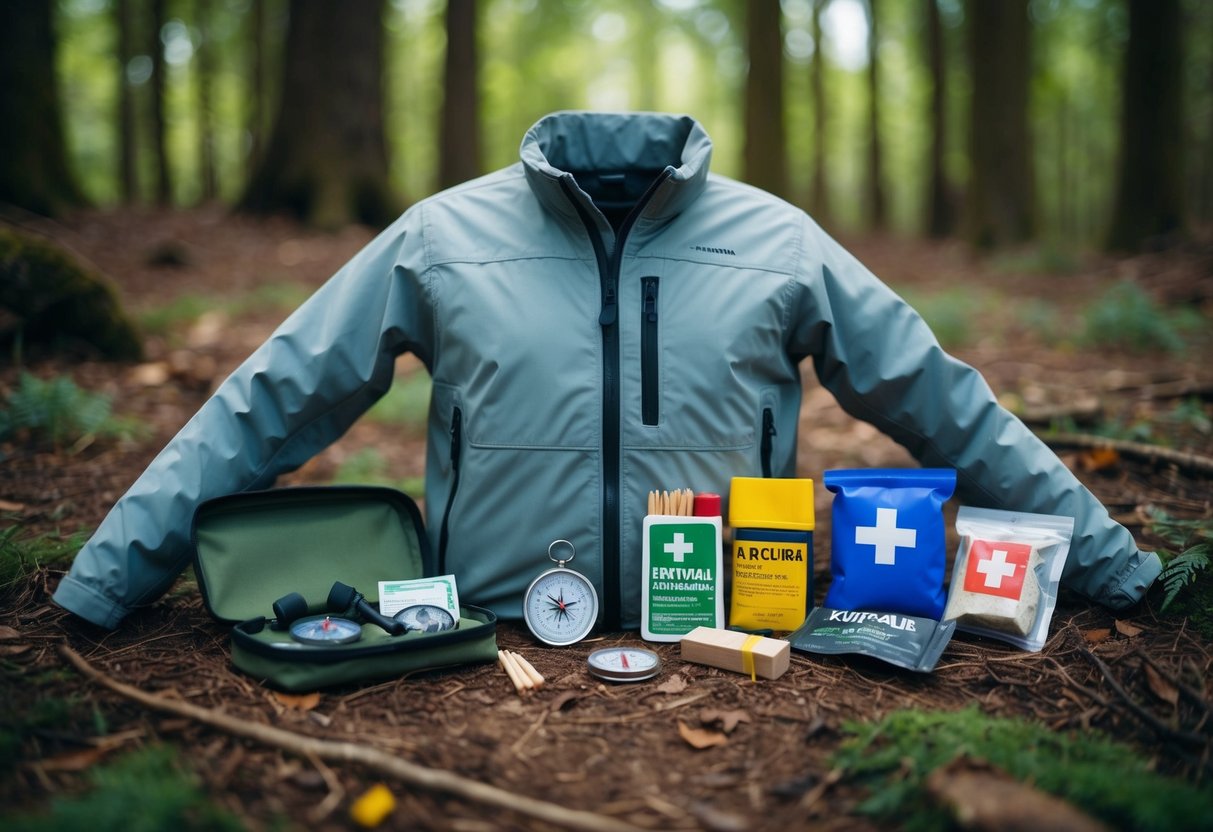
x,y
766,503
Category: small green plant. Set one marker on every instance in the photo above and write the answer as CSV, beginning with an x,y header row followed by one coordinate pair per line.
x,y
1127,317
1106,779
57,411
145,791
21,552
1191,543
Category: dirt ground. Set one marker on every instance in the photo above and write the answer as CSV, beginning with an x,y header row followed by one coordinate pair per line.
x,y
621,752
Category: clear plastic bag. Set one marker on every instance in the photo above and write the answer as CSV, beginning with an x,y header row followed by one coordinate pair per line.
x,y
1008,566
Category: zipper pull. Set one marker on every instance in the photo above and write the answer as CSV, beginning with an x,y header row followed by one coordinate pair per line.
x,y
650,301
456,436
610,308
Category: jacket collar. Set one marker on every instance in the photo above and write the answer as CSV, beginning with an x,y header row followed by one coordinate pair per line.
x,y
564,142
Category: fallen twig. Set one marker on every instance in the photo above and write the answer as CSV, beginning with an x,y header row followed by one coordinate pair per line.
x,y
1136,450
403,770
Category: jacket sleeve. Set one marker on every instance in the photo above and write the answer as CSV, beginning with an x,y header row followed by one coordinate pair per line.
x,y
880,360
297,393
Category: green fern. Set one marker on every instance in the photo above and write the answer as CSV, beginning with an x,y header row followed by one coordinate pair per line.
x,y
1182,570
57,411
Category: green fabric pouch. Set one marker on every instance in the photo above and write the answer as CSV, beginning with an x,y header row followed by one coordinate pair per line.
x,y
253,548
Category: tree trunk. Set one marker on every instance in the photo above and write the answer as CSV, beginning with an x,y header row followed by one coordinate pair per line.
x,y
460,146
875,202
1000,203
941,215
206,129
1149,196
164,183
34,173
326,162
129,184
764,151
819,193
255,118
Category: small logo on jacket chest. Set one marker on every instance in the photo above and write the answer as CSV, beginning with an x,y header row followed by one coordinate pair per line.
x,y
714,250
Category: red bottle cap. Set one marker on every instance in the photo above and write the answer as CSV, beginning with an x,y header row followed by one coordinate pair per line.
x,y
706,505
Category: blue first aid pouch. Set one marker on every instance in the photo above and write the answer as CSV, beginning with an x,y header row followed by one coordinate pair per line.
x,y
889,550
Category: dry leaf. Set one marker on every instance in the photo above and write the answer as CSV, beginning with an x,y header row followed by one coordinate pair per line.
x,y
9,505
675,684
8,632
1161,687
988,799
728,719
1098,459
298,701
700,737
1096,636
1126,629
14,649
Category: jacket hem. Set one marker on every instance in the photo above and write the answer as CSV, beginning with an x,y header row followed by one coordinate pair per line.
x,y
1135,585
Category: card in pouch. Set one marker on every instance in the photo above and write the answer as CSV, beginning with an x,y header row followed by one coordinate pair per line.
x,y
888,547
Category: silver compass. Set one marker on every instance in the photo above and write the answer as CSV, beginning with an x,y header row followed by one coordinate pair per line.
x,y
560,606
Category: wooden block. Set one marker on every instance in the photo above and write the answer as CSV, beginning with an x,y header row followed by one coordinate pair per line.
x,y
723,649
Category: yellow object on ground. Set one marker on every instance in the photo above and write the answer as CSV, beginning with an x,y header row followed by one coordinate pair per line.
x,y
373,807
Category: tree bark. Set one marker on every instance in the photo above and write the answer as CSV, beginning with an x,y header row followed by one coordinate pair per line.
x,y
1000,203
164,183
764,152
1149,196
941,214
206,129
127,126
819,192
876,203
326,161
34,173
460,146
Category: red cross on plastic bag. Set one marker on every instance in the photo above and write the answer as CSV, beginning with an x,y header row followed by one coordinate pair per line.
x,y
997,568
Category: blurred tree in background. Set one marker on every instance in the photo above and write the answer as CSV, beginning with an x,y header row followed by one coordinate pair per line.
x,y
1057,122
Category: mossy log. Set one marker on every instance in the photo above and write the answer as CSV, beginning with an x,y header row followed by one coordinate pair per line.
x,y
49,300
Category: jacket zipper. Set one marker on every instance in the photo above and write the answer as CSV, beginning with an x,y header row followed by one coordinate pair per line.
x,y
767,443
608,272
456,451
650,404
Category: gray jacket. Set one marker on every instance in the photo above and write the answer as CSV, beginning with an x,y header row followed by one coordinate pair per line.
x,y
600,319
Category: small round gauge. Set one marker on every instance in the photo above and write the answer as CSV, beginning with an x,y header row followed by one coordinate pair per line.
x,y
560,606
325,630
624,664
425,618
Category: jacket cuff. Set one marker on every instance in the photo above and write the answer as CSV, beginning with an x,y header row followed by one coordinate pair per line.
x,y
84,601
1133,588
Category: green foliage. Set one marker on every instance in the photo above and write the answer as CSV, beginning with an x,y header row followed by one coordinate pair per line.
x,y
21,553
147,791
1127,317
368,467
1110,781
950,314
1187,559
185,309
57,411
407,403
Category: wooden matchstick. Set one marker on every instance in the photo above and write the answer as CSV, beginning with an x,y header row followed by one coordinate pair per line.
x,y
528,669
516,675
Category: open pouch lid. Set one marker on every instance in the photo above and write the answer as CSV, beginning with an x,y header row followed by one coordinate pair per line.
x,y
254,547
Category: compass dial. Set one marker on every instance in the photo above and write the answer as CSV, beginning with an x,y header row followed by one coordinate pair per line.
x,y
325,630
624,664
560,607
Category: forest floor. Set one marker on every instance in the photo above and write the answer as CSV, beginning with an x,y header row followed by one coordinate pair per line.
x,y
775,754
